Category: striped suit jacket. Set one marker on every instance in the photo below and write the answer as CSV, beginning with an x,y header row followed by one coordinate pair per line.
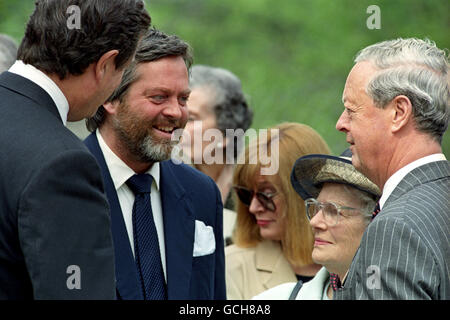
x,y
404,253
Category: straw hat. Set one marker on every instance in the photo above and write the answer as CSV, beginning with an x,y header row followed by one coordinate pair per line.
x,y
312,171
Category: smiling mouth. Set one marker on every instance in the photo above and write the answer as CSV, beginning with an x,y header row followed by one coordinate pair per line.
x,y
165,129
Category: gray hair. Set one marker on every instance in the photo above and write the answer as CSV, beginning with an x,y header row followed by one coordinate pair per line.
x,y
229,103
365,198
154,46
417,69
8,52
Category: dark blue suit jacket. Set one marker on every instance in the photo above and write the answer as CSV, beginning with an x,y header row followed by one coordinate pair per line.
x,y
186,195
54,215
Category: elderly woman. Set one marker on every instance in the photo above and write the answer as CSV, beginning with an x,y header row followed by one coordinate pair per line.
x,y
216,103
272,240
339,203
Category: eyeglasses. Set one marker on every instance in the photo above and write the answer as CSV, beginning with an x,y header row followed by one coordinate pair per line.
x,y
246,196
330,210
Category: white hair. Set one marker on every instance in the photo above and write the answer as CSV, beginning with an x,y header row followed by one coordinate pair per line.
x,y
367,201
417,69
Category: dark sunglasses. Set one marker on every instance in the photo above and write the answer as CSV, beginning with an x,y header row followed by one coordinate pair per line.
x,y
246,196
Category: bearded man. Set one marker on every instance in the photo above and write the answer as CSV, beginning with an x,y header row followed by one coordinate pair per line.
x,y
166,217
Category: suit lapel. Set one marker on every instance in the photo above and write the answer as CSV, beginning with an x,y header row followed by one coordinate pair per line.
x,y
420,175
127,281
179,228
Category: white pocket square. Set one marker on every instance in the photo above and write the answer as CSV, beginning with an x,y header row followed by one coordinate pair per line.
x,y
205,242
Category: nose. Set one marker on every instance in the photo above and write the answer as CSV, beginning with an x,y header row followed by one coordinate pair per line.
x,y
342,123
317,222
255,206
173,110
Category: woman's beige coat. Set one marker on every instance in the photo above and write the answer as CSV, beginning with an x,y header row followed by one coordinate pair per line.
x,y
250,271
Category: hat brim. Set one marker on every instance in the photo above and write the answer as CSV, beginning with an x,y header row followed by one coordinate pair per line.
x,y
312,171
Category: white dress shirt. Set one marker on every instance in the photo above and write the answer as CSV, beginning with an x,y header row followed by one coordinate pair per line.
x,y
120,173
398,176
42,80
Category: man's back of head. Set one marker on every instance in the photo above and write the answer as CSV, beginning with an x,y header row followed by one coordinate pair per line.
x,y
55,46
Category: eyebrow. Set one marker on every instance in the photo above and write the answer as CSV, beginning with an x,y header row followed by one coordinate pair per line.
x,y
167,91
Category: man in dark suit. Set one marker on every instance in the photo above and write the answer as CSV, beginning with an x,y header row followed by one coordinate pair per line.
x,y
396,113
55,239
173,248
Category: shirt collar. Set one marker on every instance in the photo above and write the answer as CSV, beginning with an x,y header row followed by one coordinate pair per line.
x,y
395,179
42,80
120,172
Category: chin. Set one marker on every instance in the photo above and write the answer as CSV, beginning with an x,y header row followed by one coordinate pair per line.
x,y
318,257
155,152
269,236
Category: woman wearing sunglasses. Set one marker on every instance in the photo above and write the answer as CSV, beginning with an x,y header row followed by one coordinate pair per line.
x,y
339,203
272,238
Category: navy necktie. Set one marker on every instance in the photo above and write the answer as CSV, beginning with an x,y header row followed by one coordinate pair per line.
x,y
146,244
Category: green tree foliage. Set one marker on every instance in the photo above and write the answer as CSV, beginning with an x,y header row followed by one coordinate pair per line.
x,y
293,56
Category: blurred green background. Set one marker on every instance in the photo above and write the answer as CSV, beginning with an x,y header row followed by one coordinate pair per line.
x,y
292,56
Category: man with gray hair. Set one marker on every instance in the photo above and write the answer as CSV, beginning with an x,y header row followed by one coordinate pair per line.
x,y
396,112
8,52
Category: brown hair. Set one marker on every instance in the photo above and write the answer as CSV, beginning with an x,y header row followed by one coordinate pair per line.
x,y
54,48
295,141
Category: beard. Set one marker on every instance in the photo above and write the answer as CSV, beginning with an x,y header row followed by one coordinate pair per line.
x,y
138,139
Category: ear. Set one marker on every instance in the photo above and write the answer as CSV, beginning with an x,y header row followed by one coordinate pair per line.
x,y
111,107
105,64
401,112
